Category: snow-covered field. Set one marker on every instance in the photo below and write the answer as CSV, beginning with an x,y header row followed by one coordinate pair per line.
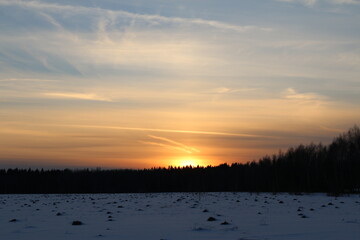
x,y
238,216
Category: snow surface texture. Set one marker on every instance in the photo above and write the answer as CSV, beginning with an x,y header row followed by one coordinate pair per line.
x,y
238,216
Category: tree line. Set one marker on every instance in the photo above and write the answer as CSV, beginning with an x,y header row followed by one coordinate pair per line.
x,y
334,168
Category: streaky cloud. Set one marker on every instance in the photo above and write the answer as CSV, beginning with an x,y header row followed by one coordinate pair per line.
x,y
335,130
170,131
27,80
83,96
291,93
168,146
121,13
185,147
311,3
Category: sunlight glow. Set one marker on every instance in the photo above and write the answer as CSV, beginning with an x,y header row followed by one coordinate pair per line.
x,y
188,161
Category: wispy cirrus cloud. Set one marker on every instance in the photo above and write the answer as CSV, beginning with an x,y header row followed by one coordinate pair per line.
x,y
82,96
179,144
113,14
292,94
26,80
223,90
170,144
166,146
350,2
229,134
313,2
330,129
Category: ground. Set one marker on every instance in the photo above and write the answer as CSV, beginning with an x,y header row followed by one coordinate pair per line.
x,y
170,216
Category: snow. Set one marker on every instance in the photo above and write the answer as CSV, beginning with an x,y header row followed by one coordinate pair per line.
x,y
180,216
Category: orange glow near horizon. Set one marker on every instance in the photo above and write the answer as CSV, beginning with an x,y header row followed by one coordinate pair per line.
x,y
73,146
188,161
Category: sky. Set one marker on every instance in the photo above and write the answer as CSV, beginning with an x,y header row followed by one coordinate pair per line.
x,y
140,84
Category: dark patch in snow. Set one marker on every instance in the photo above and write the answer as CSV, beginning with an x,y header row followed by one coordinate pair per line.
x,y
211,219
76,223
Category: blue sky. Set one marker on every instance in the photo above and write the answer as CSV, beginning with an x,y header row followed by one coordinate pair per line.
x,y
104,83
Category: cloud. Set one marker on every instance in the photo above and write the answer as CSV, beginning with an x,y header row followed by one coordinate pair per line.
x,y
305,2
175,143
19,131
311,3
229,134
357,2
113,14
225,90
96,41
329,129
26,80
219,93
82,96
167,146
290,93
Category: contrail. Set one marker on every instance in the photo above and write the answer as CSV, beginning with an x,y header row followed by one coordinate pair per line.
x,y
166,146
183,146
171,131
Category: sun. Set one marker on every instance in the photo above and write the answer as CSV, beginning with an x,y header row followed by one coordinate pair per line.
x,y
188,161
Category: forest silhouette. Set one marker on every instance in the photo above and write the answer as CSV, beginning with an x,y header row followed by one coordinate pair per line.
x,y
333,168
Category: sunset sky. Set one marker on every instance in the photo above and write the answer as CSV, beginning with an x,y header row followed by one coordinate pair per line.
x,y
138,84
